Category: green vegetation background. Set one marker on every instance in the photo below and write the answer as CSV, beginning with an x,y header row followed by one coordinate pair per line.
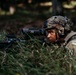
x,y
31,57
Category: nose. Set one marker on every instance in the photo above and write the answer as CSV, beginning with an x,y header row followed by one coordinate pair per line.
x,y
48,35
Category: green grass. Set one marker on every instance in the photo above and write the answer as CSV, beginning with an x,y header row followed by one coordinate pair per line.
x,y
33,58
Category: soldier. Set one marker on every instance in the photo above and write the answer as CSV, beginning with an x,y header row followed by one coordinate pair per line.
x,y
58,30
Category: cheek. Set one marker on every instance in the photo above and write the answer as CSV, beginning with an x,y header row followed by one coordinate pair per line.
x,y
51,37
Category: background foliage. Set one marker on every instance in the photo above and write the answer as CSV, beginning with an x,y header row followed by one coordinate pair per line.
x,y
31,57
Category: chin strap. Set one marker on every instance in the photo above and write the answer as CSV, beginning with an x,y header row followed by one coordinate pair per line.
x,y
56,33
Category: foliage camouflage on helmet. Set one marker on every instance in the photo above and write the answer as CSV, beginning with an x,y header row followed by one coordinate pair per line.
x,y
62,24
59,20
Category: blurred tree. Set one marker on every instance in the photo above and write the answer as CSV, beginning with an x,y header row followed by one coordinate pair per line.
x,y
57,7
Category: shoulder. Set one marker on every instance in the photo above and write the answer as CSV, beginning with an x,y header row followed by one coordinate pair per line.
x,y
70,36
72,46
73,37
72,42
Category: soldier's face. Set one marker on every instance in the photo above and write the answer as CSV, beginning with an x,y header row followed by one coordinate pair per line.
x,y
51,35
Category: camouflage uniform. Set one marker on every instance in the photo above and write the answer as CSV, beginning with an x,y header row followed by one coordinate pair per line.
x,y
70,43
64,25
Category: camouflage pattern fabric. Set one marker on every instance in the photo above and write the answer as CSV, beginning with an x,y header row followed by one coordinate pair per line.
x,y
60,20
71,46
70,41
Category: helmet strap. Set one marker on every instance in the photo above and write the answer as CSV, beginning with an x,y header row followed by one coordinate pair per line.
x,y
56,33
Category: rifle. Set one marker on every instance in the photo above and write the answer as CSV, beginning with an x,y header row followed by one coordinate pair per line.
x,y
29,33
33,32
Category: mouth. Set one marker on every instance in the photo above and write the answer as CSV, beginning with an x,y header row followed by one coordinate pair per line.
x,y
50,39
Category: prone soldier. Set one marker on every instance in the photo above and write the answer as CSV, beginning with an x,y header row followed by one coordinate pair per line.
x,y
59,31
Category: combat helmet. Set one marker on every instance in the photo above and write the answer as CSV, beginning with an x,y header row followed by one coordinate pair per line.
x,y
62,24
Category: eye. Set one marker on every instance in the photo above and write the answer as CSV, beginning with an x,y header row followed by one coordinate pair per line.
x,y
51,31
